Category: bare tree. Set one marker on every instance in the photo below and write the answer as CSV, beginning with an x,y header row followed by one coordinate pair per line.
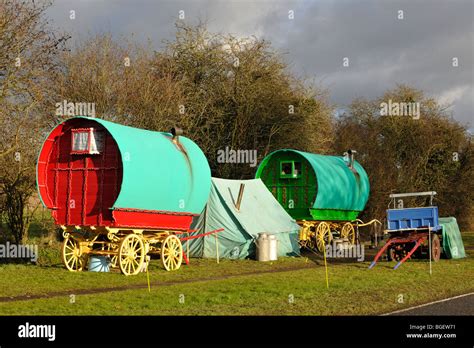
x,y
28,61
224,91
409,154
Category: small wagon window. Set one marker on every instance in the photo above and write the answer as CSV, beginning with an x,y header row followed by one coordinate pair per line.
x,y
285,169
86,141
297,169
290,169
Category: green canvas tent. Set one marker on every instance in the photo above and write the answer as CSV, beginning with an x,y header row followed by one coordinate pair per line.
x,y
259,212
453,246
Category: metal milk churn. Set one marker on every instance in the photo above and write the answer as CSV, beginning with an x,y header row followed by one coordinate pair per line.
x,y
262,243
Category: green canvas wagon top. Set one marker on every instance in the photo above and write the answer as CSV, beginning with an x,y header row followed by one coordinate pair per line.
x,y
315,187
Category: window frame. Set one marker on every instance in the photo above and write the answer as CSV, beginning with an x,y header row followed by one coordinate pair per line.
x,y
294,168
91,133
292,174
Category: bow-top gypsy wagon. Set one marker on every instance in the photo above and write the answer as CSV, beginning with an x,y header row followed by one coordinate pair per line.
x,y
324,194
121,192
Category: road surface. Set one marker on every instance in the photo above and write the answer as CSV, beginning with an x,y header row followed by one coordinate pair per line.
x,y
458,305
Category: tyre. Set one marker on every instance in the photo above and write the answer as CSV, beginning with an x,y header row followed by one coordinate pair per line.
x,y
435,248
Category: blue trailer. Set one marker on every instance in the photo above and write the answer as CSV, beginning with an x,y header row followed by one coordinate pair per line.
x,y
412,231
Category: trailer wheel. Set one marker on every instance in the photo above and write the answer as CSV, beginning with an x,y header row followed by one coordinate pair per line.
x,y
323,236
171,253
131,254
391,256
72,255
348,232
435,248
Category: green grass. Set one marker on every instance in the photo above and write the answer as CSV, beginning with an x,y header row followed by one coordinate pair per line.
x,y
353,289
33,280
468,239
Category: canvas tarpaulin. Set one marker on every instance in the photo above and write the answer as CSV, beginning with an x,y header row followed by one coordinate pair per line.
x,y
453,246
259,212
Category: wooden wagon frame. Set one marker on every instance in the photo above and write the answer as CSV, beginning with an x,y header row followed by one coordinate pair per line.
x,y
126,248
315,235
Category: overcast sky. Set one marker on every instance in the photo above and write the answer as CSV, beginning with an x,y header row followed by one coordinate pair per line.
x,y
383,50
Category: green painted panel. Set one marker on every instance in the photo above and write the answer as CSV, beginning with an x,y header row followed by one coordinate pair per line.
x,y
334,215
156,174
295,191
339,193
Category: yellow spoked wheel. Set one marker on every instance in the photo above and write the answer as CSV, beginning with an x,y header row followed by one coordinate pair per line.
x,y
348,232
323,236
171,253
72,255
131,254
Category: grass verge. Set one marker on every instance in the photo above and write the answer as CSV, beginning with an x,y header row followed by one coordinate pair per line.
x,y
354,290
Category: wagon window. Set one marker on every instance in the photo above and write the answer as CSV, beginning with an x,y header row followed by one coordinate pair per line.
x,y
290,169
286,169
80,141
86,141
97,141
297,169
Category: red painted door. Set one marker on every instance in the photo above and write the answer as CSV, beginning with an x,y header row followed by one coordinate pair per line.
x,y
84,187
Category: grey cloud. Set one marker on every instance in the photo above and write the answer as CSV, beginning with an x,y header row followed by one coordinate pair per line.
x,y
382,50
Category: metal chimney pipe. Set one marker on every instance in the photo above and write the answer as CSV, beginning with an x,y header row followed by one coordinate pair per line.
x,y
176,132
351,154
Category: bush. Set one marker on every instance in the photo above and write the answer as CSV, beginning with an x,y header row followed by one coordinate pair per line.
x,y
49,254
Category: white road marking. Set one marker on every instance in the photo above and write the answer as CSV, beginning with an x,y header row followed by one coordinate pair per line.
x,y
430,303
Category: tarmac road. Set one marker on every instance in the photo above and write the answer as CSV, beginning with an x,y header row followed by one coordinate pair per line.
x,y
458,305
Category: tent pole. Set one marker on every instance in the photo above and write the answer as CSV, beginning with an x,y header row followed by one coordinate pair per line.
x,y
217,248
429,246
239,198
325,264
